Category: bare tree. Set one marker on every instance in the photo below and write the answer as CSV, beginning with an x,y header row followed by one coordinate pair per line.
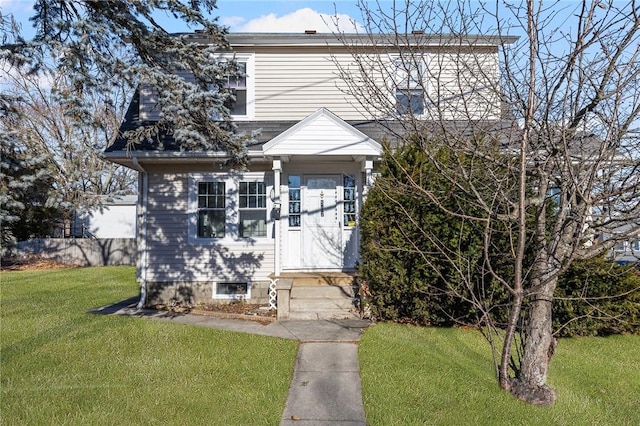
x,y
89,50
541,136
71,142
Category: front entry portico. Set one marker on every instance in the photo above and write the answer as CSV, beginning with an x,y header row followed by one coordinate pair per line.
x,y
322,166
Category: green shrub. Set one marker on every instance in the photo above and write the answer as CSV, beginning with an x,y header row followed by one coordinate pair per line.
x,y
597,297
408,278
403,240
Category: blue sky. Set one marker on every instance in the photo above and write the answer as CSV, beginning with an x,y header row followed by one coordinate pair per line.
x,y
272,15
245,15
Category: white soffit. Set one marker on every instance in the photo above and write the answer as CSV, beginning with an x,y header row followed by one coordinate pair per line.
x,y
322,133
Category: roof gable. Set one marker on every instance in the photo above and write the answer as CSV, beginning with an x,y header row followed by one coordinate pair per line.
x,y
322,133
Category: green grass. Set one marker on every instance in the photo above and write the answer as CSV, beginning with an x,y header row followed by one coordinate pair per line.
x,y
60,364
433,376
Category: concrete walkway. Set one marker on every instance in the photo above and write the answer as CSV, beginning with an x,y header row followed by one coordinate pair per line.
x,y
325,388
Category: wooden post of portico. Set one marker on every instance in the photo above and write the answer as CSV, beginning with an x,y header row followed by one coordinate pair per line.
x,y
279,288
367,168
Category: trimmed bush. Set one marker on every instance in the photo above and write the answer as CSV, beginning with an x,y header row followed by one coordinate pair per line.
x,y
403,238
596,298
413,257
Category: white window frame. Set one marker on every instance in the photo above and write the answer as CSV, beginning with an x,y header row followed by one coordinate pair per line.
x,y
221,209
235,296
249,60
398,75
352,201
232,205
250,178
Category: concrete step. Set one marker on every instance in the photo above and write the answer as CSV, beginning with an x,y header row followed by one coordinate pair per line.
x,y
323,315
322,302
323,292
306,279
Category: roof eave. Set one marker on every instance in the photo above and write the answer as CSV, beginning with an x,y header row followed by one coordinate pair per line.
x,y
125,158
351,39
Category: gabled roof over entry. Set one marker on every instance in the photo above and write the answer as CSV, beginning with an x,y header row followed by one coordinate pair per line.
x,y
322,133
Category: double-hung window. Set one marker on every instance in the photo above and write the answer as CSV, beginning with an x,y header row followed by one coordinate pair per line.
x,y
409,85
241,105
252,209
211,209
226,206
238,86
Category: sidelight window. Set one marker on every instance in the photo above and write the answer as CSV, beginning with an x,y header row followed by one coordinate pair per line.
x,y
294,202
349,200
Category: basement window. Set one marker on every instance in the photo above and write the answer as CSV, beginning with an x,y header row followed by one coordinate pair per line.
x,y
232,290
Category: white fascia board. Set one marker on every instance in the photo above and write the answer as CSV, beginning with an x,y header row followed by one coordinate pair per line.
x,y
273,148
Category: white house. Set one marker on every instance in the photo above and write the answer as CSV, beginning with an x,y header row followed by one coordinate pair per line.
x,y
291,221
116,218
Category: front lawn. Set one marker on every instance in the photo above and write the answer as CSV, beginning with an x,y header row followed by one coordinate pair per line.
x,y
60,364
437,376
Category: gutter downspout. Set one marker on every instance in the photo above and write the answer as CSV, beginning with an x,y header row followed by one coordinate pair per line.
x,y
142,262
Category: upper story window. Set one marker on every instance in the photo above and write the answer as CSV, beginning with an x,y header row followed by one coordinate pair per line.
x,y
242,107
238,86
408,77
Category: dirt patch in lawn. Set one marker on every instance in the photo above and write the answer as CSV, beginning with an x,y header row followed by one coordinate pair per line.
x,y
244,311
28,263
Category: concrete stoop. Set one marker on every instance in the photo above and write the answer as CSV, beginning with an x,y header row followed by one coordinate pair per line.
x,y
323,302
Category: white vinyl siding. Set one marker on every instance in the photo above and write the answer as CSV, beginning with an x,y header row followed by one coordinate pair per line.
x,y
285,83
172,258
322,134
464,86
243,87
292,85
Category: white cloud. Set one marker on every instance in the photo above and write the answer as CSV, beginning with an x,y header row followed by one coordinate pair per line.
x,y
230,21
299,21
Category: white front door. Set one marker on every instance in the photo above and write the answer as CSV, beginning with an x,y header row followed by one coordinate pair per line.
x,y
322,236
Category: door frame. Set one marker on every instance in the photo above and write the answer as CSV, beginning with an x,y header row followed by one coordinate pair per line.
x,y
291,250
322,224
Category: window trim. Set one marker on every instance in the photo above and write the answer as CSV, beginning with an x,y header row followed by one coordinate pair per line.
x,y
232,205
249,59
252,209
236,296
423,85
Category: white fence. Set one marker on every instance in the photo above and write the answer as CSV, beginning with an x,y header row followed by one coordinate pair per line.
x,y
83,251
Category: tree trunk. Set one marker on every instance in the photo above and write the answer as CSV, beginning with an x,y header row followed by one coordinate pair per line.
x,y
530,383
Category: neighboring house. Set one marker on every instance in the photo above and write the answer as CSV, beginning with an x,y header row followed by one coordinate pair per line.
x,y
116,218
627,251
207,233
